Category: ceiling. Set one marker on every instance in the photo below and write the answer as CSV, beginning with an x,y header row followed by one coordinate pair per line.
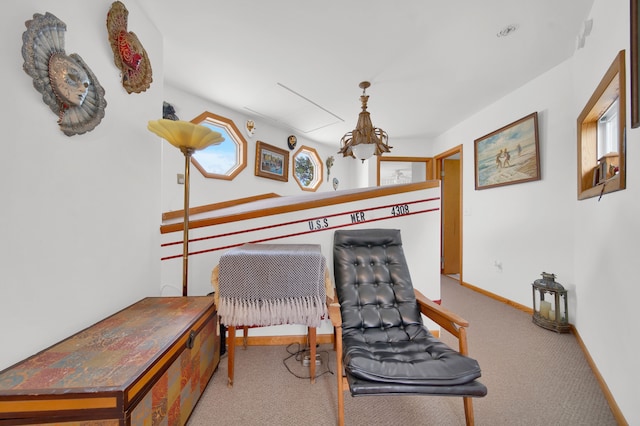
x,y
431,63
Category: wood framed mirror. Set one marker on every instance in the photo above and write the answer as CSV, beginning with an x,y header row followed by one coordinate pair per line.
x,y
399,170
601,135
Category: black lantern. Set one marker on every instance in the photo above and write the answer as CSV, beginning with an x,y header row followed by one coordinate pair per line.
x,y
550,304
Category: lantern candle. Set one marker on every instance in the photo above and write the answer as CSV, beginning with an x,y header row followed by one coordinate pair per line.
x,y
552,312
545,307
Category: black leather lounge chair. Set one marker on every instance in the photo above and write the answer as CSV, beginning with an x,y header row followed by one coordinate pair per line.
x,y
380,337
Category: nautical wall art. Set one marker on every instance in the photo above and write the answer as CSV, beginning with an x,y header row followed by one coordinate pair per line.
x,y
128,53
66,83
509,155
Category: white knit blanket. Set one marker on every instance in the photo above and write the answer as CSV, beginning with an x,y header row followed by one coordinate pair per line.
x,y
272,284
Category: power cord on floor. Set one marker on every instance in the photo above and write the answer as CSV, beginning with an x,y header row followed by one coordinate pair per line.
x,y
298,356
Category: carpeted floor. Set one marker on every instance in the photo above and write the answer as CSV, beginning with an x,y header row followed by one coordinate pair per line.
x,y
534,376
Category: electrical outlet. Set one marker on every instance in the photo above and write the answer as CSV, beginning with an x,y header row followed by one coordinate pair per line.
x,y
306,361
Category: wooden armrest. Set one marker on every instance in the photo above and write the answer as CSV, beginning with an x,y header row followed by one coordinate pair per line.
x,y
334,312
441,316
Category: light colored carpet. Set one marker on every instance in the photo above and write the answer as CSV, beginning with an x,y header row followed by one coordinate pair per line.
x,y
534,376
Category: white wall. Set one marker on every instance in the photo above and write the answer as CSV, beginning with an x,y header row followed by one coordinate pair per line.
x,y
541,226
80,215
605,256
525,227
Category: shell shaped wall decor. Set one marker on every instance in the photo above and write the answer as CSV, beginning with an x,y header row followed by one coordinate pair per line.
x,y
128,53
66,83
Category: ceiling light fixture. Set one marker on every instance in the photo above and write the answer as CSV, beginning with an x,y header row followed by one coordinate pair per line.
x,y
365,140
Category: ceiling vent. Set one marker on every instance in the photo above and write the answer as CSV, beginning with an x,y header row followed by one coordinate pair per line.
x,y
293,109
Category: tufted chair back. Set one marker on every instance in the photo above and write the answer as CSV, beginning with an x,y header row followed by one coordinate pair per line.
x,y
381,342
374,287
383,335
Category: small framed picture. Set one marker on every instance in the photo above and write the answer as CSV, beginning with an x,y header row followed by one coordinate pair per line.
x,y
272,162
596,176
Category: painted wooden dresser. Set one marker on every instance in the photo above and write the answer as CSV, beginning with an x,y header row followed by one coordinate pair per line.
x,y
147,364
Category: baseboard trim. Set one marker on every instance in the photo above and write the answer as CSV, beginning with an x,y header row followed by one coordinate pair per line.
x,y
287,340
613,405
494,296
280,340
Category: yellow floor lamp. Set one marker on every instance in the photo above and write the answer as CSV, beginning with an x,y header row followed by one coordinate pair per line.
x,y
188,137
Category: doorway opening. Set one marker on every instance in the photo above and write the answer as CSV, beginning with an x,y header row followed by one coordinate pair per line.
x,y
448,169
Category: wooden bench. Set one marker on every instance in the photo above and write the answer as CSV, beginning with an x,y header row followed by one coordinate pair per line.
x,y
146,364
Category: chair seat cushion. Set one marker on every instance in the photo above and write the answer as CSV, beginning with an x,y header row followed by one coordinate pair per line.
x,y
361,387
422,361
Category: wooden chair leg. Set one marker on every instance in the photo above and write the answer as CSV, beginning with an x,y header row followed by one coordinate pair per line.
x,y
468,401
232,351
312,354
468,410
339,375
245,336
334,339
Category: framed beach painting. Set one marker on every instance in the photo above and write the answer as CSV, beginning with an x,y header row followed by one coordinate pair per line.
x,y
508,155
272,162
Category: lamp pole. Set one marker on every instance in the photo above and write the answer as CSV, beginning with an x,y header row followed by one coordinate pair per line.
x,y
185,243
188,138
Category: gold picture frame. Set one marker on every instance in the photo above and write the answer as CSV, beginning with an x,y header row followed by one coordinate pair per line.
x,y
635,64
272,162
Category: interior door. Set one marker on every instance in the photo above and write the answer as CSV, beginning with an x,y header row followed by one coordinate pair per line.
x,y
451,217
